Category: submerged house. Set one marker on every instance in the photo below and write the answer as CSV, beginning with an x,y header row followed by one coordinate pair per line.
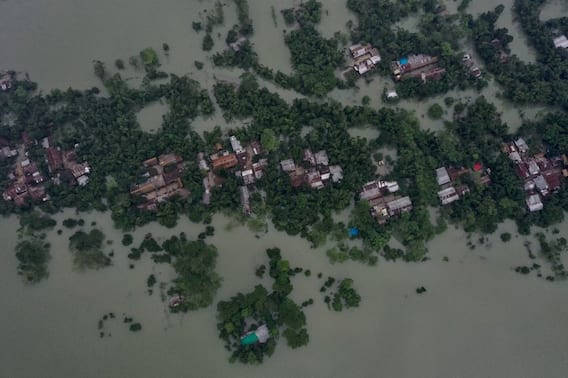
x,y
316,172
541,176
561,42
260,335
450,189
162,181
421,65
383,201
365,58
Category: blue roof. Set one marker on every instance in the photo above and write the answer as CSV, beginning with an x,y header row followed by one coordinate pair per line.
x,y
353,231
403,60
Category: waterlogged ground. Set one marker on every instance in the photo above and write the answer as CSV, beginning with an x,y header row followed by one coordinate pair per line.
x,y
478,317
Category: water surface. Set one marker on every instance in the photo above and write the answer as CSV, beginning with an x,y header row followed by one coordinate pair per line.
x,y
478,318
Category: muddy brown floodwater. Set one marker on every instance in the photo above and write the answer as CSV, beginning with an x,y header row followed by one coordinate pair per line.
x,y
478,318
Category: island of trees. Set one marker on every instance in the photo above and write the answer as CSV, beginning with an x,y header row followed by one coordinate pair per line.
x,y
274,309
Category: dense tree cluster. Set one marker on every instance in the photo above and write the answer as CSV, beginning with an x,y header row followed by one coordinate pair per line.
x,y
544,82
314,59
345,296
195,263
33,255
87,250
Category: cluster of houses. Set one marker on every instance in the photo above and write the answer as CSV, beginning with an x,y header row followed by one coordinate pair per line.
x,y
63,165
365,58
162,180
250,168
27,182
383,200
315,173
450,188
422,66
473,70
541,176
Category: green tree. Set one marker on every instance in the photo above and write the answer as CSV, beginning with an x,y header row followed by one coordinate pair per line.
x,y
33,256
268,140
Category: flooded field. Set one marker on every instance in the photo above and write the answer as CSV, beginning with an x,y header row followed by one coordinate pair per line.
x,y
554,9
150,117
478,317
477,312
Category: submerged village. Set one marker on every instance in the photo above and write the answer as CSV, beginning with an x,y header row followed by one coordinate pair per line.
x,y
293,165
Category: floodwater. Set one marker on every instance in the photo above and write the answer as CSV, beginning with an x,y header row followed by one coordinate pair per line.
x,y
150,117
478,318
554,9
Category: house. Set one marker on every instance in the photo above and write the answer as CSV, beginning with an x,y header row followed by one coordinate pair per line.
x,y
83,180
415,66
383,201
561,42
224,161
366,58
150,162
5,82
336,173
399,206
392,95
318,173
258,168
450,188
26,183
245,200
442,176
236,46
358,50
288,165
314,179
322,158
522,146
161,181
201,162
79,170
473,70
236,145
541,176
7,152
54,159
534,203
169,159
448,195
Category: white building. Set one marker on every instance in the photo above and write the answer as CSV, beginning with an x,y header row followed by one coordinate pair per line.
x,y
448,195
534,203
561,42
236,145
442,176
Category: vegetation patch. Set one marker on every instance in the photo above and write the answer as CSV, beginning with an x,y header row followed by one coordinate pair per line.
x,y
87,250
197,282
33,256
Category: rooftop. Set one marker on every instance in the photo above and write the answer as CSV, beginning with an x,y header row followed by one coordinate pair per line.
x,y
561,42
